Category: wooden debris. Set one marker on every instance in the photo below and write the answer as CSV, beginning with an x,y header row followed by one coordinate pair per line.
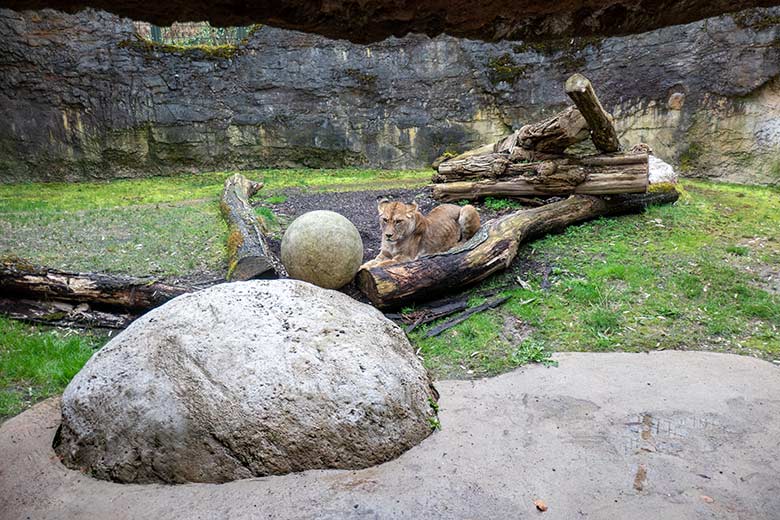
x,y
494,247
62,314
602,129
21,280
248,253
592,175
435,313
460,318
488,166
555,134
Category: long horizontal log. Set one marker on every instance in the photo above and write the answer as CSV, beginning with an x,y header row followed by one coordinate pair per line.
x,y
62,314
486,166
602,128
493,248
591,176
501,165
19,279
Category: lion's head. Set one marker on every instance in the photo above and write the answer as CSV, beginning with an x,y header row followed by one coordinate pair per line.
x,y
397,220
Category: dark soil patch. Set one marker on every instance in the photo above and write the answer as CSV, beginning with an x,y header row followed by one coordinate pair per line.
x,y
360,208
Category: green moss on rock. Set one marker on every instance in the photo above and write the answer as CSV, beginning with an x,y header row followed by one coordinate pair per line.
x,y
503,68
215,52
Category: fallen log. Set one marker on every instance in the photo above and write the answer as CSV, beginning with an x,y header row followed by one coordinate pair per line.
x,y
248,253
594,175
21,280
62,314
602,129
485,148
493,247
555,134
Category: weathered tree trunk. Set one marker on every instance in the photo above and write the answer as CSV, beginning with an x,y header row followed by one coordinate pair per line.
x,y
555,134
487,166
493,247
62,314
485,148
602,129
594,175
22,280
248,253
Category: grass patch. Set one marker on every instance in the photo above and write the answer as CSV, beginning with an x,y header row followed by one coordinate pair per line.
x,y
674,277
61,196
495,204
162,226
686,276
35,363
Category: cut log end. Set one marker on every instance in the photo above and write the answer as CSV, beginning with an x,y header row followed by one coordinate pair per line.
x,y
248,253
251,268
577,83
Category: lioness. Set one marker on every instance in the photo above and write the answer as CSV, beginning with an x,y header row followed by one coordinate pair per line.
x,y
408,234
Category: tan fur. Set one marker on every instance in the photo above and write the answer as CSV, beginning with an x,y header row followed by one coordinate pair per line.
x,y
408,234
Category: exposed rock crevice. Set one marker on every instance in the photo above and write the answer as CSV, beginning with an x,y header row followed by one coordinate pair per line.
x,y
363,21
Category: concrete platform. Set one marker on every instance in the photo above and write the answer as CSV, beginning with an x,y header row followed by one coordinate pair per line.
x,y
668,435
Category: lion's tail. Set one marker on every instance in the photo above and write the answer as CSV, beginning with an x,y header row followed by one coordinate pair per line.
x,y
468,220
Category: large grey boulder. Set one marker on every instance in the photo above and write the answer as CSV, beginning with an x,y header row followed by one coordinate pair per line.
x,y
246,379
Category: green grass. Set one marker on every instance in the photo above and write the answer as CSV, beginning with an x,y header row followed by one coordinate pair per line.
x,y
700,274
163,226
687,276
495,204
35,364
60,196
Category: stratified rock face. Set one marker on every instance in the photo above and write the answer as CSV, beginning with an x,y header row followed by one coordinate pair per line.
x,y
80,97
364,21
246,379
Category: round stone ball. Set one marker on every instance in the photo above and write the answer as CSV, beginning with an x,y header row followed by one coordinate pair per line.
x,y
323,248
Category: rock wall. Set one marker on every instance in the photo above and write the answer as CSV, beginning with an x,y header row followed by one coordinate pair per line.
x,y
82,97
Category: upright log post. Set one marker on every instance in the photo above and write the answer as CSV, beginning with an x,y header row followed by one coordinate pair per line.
x,y
248,252
602,129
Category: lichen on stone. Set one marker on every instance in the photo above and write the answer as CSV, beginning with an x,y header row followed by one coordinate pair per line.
x,y
225,51
504,69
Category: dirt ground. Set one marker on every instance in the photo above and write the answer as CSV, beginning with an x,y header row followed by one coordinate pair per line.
x,y
672,435
360,208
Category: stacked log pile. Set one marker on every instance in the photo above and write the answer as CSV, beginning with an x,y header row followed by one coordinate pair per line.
x,y
533,161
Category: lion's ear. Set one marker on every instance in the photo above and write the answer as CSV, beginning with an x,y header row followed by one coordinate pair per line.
x,y
415,207
381,203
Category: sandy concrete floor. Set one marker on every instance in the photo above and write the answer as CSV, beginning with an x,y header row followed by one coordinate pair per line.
x,y
668,435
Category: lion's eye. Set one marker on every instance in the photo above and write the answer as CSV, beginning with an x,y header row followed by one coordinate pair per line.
x,y
398,221
384,220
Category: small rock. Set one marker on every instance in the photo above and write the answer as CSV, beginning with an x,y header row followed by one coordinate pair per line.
x,y
540,505
660,171
676,101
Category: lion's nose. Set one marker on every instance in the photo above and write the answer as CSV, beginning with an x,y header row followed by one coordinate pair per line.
x,y
389,235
